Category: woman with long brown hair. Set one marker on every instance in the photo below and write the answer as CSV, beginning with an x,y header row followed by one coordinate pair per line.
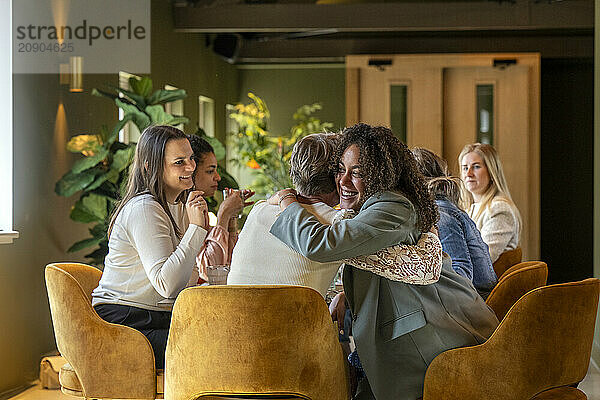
x,y
155,234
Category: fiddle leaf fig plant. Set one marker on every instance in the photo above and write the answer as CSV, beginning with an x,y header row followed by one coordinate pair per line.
x,y
101,175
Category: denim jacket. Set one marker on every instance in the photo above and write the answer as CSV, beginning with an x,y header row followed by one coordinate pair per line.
x,y
462,241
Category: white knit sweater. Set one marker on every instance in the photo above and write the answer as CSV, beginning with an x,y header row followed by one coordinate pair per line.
x,y
146,261
499,226
260,258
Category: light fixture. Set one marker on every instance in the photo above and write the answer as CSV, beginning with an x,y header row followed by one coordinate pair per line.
x,y
76,74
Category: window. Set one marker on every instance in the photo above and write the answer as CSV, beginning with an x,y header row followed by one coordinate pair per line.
x,y
6,133
206,116
130,132
398,110
485,113
174,107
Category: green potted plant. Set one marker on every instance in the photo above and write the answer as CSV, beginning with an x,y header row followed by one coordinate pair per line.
x,y
265,154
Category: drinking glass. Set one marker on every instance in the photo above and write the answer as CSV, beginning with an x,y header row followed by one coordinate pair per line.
x,y
217,274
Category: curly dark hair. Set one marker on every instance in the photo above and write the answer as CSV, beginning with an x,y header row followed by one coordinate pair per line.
x,y
387,164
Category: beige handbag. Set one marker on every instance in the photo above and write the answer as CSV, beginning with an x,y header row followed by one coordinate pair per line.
x,y
49,367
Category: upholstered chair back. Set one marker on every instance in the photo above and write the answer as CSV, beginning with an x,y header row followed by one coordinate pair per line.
x,y
257,341
516,281
104,360
542,345
507,260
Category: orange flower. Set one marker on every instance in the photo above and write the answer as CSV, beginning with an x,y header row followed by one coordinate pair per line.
x,y
253,164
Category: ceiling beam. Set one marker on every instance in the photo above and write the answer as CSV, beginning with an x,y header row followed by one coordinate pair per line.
x,y
334,49
381,17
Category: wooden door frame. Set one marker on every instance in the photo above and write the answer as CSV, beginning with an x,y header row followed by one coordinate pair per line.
x,y
354,64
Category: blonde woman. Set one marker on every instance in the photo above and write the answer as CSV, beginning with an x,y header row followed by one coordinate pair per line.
x,y
488,200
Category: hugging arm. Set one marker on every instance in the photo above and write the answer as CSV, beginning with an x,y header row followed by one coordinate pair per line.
x,y
379,224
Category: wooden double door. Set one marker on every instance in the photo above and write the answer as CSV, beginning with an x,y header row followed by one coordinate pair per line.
x,y
444,101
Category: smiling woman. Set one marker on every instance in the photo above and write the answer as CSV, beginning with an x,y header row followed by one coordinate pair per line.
x,y
488,200
349,180
222,237
398,327
154,236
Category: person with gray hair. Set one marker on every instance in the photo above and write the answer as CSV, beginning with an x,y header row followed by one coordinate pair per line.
x,y
260,258
311,173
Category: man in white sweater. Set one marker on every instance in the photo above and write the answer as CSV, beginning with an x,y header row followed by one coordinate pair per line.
x,y
261,258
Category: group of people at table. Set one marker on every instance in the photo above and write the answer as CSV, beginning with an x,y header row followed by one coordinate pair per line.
x,y
398,209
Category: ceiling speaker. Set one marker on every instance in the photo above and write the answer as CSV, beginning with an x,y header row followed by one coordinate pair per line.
x,y
227,46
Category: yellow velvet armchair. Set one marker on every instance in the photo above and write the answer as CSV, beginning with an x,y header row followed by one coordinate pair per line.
x,y
256,342
515,282
540,350
104,360
507,260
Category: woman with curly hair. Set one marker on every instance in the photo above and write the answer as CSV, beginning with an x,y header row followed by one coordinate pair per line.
x,y
398,327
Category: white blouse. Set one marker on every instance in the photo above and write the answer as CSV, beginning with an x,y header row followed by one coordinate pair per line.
x,y
499,226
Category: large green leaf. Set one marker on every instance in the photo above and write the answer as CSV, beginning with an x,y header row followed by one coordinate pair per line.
x,y
104,134
71,183
135,98
99,230
97,256
81,143
166,96
82,244
111,176
176,120
139,118
90,161
158,116
122,158
120,125
141,86
102,93
216,145
91,208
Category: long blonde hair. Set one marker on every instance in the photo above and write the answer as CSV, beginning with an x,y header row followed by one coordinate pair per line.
x,y
497,186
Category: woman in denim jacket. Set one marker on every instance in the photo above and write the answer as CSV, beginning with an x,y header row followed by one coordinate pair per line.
x,y
458,233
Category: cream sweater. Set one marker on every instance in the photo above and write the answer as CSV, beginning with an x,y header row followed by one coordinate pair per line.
x,y
499,226
146,262
260,258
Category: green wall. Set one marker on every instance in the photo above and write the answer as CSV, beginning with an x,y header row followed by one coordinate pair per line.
x,y
45,116
285,88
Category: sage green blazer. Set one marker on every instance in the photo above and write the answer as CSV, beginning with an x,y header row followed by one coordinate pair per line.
x,y
398,328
